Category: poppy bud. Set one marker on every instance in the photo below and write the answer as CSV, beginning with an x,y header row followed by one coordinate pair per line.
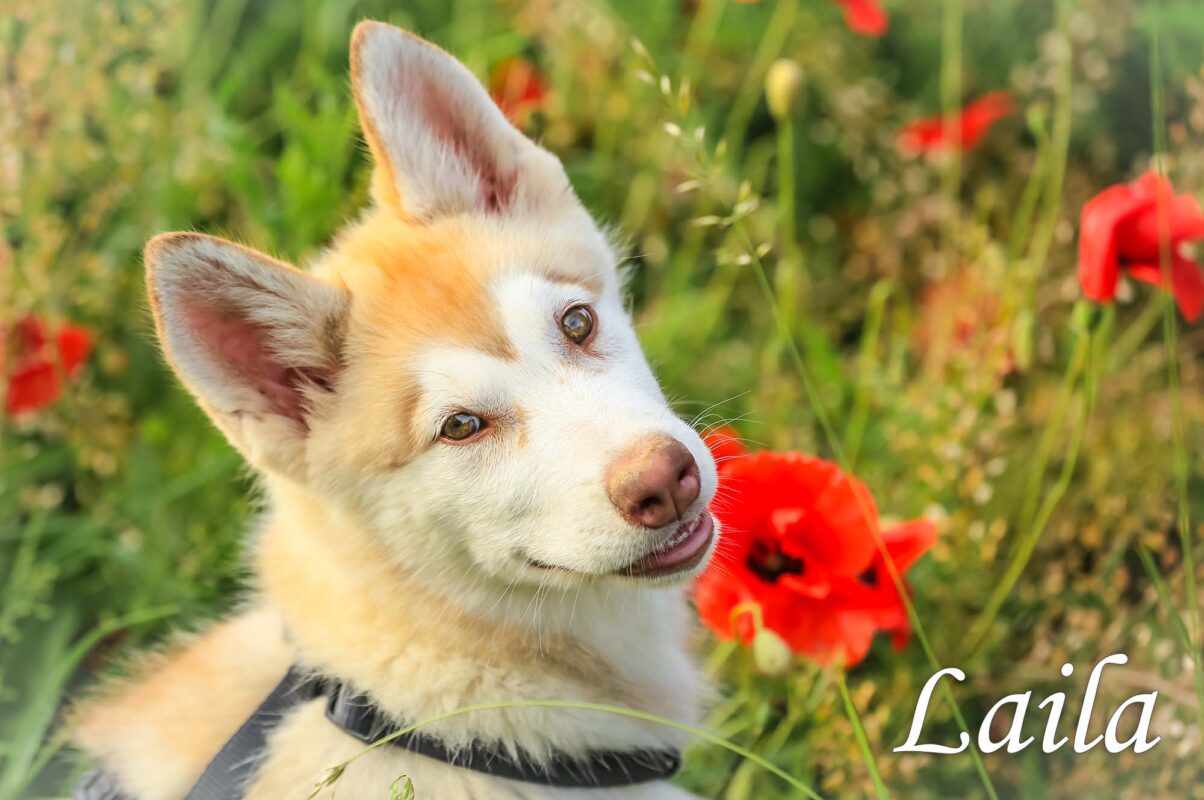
x,y
770,652
783,83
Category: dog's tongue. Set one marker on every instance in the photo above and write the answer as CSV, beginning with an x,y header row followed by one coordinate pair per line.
x,y
683,552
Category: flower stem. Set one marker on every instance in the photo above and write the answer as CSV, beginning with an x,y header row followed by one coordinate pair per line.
x,y
776,31
1060,141
1136,332
701,35
862,742
1170,330
1038,251
859,417
786,190
951,90
1086,359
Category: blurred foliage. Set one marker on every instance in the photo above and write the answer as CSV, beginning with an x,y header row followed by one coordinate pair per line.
x,y
933,301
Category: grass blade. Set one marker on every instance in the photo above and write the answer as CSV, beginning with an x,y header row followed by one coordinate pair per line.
x,y
863,743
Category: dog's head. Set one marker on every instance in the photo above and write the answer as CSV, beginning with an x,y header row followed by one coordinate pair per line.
x,y
458,370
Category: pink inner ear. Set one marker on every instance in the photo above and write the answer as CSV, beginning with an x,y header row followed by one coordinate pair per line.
x,y
497,187
240,349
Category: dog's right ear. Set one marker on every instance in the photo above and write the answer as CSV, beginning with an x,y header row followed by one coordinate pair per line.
x,y
258,342
442,147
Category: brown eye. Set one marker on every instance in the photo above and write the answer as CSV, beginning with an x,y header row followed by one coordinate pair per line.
x,y
461,426
578,324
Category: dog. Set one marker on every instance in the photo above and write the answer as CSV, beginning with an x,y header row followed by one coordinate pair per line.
x,y
477,491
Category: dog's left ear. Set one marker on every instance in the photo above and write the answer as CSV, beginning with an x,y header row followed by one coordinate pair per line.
x,y
257,342
441,145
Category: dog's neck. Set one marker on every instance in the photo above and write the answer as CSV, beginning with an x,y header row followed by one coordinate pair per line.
x,y
355,613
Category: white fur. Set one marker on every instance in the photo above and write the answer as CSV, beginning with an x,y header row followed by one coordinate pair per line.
x,y
577,412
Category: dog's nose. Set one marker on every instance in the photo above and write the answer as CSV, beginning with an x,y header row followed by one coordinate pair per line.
x,y
653,481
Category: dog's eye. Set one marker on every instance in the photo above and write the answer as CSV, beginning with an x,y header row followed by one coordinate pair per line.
x,y
578,324
461,426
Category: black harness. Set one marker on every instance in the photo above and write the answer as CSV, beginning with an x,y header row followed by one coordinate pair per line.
x,y
229,773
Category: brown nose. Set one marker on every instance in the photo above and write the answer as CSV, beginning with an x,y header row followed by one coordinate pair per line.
x,y
653,481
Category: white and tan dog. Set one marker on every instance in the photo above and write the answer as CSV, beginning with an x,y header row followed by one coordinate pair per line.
x,y
478,492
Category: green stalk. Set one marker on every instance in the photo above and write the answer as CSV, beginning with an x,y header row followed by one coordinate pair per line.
x,y
1170,330
790,267
800,706
1060,138
701,36
1042,240
1137,331
1027,208
786,189
776,32
859,418
951,91
1051,437
863,743
1164,597
1087,358
790,274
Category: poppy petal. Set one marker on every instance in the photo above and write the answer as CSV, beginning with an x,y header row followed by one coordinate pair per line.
x,y
1099,266
724,444
33,388
978,117
35,376
1186,283
74,345
964,132
866,17
1143,236
907,541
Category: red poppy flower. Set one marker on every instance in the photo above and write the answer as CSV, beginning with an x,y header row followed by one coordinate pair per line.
x,y
35,373
799,548
724,444
877,595
517,87
969,127
866,17
1124,227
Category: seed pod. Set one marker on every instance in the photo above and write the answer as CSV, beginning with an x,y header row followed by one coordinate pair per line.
x,y
783,84
771,653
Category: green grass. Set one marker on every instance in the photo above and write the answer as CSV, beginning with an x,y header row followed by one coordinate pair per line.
x,y
815,311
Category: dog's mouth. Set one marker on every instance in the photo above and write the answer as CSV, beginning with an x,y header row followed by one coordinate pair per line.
x,y
682,550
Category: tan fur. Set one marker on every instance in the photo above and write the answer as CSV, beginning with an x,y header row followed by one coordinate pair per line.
x,y
161,726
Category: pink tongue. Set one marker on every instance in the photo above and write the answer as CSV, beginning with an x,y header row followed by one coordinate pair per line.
x,y
683,550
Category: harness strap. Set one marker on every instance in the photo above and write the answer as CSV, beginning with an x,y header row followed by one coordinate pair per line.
x,y
99,785
227,776
600,769
228,773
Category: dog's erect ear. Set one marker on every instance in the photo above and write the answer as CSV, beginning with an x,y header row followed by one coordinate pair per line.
x,y
441,145
258,342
